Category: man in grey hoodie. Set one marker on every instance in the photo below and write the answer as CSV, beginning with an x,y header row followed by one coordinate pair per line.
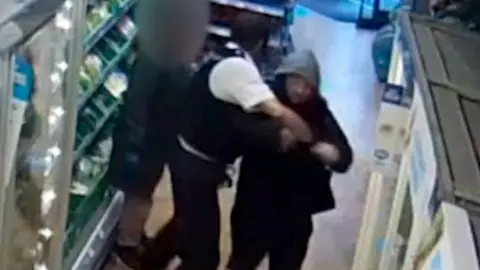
x,y
277,193
171,34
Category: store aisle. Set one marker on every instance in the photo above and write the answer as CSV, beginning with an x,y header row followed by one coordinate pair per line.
x,y
348,84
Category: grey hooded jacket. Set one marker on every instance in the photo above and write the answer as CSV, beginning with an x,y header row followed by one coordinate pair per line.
x,y
302,63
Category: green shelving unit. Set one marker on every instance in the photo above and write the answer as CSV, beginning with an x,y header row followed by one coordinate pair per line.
x,y
94,207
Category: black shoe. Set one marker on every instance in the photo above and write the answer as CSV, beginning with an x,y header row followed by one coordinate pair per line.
x,y
130,256
160,251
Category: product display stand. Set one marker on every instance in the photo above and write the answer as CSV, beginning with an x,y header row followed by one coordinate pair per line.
x,y
95,208
391,133
40,49
434,215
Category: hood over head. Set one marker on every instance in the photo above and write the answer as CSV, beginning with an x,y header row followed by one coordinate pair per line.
x,y
302,63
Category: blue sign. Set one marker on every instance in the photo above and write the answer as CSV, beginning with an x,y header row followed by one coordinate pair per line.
x,y
393,94
24,77
437,262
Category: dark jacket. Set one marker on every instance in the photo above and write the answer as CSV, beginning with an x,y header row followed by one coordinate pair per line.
x,y
295,182
147,125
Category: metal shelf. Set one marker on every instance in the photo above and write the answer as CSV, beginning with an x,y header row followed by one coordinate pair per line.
x,y
97,34
98,128
104,226
272,10
105,73
218,30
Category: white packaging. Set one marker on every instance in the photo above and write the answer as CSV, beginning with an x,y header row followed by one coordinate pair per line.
x,y
390,131
452,240
392,119
423,164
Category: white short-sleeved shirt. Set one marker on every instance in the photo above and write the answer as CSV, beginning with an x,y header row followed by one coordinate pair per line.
x,y
237,80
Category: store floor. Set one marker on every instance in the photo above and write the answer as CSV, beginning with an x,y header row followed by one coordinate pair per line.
x,y
348,84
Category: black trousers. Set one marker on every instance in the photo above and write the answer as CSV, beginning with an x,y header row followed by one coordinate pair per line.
x,y
196,209
260,228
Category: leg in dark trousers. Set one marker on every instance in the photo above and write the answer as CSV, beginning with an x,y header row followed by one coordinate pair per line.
x,y
252,226
291,247
197,215
249,243
162,249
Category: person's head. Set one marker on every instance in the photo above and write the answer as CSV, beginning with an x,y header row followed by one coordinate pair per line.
x,y
301,73
172,31
251,31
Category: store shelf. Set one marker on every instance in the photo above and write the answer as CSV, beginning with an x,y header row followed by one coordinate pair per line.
x,y
45,59
104,223
219,30
98,128
97,34
80,151
105,73
90,236
272,10
225,32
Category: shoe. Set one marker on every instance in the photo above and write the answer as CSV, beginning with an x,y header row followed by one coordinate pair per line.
x,y
160,251
129,256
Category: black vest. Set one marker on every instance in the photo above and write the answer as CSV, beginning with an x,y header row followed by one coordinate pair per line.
x,y
208,125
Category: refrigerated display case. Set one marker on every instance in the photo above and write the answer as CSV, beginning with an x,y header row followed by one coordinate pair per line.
x,y
40,59
95,207
64,67
440,164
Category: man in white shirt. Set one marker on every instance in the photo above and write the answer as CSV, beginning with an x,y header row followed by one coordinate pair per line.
x,y
237,79
220,120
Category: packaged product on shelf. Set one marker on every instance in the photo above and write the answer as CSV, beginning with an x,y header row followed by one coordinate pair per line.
x,y
127,27
90,169
93,66
97,16
116,84
86,81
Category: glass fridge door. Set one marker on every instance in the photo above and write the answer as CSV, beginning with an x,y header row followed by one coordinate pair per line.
x,y
38,133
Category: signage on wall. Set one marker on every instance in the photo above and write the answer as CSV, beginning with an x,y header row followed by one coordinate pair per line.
x,y
396,95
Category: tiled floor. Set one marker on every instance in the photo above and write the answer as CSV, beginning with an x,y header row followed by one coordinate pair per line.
x,y
349,85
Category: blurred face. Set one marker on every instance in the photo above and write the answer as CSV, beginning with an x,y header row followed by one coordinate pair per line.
x,y
298,90
186,29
